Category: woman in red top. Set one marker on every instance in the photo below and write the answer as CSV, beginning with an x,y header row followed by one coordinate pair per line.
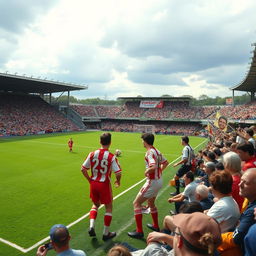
x,y
232,163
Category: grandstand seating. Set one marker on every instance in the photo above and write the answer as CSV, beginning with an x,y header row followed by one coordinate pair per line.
x,y
171,110
109,111
26,114
242,112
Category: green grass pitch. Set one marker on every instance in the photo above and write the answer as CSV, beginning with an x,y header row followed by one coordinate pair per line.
x,y
41,185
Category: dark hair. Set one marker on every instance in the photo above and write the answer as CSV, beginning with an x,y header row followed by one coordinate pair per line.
x,y
190,207
250,132
60,237
221,181
185,139
148,138
228,144
205,152
211,156
200,162
224,118
219,166
105,138
217,152
190,175
246,147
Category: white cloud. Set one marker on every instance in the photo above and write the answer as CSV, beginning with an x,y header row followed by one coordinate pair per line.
x,y
128,47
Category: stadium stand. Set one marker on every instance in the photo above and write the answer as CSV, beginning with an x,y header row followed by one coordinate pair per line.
x,y
109,111
29,114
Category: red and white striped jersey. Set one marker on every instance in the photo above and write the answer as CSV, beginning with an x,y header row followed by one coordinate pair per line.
x,y
154,157
102,163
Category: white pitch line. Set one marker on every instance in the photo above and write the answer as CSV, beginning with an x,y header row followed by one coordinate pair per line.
x,y
81,218
131,221
93,147
13,245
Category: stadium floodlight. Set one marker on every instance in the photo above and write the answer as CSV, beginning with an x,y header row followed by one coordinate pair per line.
x,y
24,74
6,71
45,78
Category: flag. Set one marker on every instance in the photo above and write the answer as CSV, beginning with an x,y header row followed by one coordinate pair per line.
x,y
221,122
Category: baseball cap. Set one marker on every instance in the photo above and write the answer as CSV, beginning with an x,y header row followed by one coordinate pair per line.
x,y
59,233
193,226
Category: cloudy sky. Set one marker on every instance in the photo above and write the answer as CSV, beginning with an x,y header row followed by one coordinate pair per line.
x,y
130,47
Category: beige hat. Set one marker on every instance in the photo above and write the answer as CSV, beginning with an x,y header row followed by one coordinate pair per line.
x,y
193,226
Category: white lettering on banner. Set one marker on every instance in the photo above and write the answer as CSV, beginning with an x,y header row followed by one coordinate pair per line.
x,y
151,104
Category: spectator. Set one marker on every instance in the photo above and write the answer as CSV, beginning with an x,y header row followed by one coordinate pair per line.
x,y
119,250
209,169
211,157
199,170
202,195
250,239
219,166
60,238
246,153
188,194
249,136
196,234
232,164
233,242
225,210
188,207
218,154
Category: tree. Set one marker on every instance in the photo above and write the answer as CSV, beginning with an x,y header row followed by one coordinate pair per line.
x,y
203,97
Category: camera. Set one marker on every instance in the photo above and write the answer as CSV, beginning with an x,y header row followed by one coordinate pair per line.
x,y
48,246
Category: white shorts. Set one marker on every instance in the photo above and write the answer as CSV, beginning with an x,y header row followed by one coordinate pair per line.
x,y
151,187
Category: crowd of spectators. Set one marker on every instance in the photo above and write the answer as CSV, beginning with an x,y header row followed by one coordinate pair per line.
x,y
132,110
25,115
131,126
170,110
84,110
108,111
242,112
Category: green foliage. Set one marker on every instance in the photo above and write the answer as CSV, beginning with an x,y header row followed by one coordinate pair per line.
x,y
90,101
204,100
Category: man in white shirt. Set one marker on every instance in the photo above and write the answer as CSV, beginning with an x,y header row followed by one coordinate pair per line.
x,y
185,163
188,194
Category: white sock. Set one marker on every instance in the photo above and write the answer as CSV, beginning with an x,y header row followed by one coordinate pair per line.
x,y
92,221
105,230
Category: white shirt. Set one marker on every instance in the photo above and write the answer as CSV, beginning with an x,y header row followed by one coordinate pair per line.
x,y
186,154
226,212
189,191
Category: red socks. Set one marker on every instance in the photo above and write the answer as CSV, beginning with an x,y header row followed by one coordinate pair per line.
x,y
138,219
107,219
154,215
93,213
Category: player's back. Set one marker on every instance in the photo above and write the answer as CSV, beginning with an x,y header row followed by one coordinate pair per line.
x,y
154,157
101,162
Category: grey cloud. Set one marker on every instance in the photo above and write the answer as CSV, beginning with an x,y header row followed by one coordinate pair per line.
x,y
188,42
154,78
16,15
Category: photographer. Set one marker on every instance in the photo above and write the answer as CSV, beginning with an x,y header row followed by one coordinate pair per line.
x,y
60,238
